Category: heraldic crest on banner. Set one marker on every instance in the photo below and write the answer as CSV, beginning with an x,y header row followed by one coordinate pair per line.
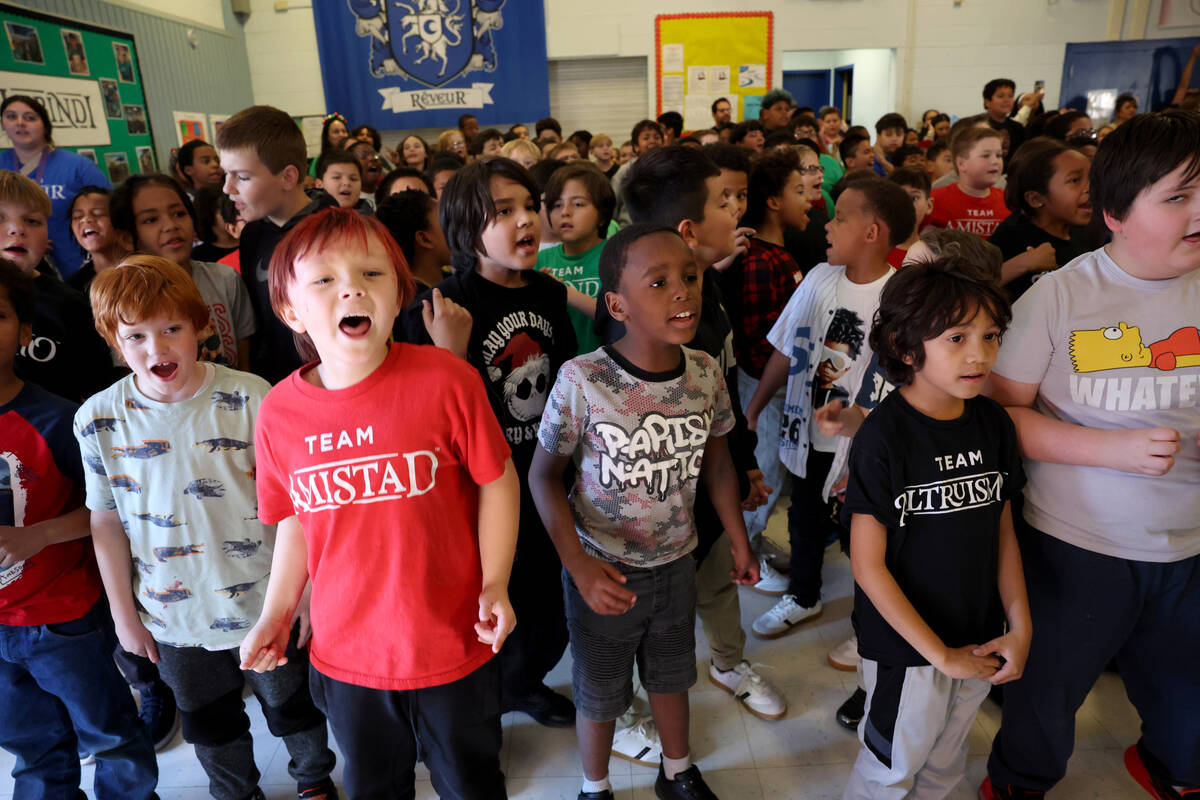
x,y
430,41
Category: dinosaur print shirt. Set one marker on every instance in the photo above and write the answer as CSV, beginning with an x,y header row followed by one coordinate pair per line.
x,y
182,478
1111,351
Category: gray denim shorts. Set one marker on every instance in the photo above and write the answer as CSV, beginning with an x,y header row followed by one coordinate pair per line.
x,y
659,633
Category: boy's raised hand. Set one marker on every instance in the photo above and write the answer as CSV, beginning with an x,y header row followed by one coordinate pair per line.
x,y
263,648
961,663
1013,647
1145,451
741,243
1038,259
496,617
600,585
448,323
828,418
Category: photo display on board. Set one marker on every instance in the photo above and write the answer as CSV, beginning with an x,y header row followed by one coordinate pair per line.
x,y
89,80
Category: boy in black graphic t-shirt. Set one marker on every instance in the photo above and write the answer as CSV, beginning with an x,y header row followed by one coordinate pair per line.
x,y
936,566
520,335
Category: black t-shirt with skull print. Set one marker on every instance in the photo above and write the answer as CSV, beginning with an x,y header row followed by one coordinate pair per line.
x,y
519,339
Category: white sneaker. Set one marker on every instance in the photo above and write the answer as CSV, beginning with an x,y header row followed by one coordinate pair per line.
x,y
638,743
782,616
770,581
845,656
754,691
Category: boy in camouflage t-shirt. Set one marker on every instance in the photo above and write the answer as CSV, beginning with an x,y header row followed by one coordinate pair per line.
x,y
643,420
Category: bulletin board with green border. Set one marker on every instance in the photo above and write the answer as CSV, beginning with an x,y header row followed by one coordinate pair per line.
x,y
41,53
701,57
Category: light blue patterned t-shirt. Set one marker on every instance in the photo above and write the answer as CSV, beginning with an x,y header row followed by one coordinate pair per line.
x,y
181,477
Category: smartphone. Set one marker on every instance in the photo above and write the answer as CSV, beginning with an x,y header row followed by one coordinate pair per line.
x,y
1039,85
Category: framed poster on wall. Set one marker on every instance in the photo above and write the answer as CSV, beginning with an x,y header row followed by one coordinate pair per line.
x,y
699,58
89,80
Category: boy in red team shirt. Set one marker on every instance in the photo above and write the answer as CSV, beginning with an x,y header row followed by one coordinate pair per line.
x,y
974,203
394,492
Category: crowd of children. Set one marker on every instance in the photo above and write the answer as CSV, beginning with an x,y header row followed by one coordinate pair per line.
x,y
383,434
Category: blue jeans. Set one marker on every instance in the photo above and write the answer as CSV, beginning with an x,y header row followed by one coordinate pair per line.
x,y
766,454
58,679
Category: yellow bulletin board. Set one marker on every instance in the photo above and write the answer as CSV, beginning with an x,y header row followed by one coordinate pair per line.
x,y
701,57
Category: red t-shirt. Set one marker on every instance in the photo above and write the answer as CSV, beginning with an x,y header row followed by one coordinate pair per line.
x,y
896,256
234,260
954,208
384,478
40,479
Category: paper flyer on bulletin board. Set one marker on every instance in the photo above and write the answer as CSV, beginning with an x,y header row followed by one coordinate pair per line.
x,y
700,58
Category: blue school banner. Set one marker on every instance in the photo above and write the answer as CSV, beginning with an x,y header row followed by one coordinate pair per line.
x,y
423,63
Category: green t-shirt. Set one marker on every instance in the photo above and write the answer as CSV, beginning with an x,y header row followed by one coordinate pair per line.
x,y
583,273
833,173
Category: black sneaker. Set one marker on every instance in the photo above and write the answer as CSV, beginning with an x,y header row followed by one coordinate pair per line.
x,y
851,711
159,714
603,794
546,706
257,794
687,785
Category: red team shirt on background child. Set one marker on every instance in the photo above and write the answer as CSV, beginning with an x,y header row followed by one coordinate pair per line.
x,y
389,483
953,208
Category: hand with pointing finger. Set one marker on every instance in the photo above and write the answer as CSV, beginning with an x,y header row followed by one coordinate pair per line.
x,y
448,323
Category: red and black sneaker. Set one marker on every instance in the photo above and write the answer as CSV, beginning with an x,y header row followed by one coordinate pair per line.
x,y
325,790
1153,786
990,791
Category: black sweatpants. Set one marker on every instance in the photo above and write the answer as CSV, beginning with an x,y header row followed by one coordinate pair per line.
x,y
1087,609
538,642
208,689
454,728
809,526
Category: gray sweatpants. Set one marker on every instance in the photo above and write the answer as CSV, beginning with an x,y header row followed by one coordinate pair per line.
x,y
914,733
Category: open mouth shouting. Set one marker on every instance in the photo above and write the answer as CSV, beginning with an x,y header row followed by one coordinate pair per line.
x,y
356,326
165,370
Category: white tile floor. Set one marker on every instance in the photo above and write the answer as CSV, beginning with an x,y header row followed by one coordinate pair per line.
x,y
805,756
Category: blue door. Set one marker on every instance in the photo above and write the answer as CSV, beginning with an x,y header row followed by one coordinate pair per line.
x,y
808,87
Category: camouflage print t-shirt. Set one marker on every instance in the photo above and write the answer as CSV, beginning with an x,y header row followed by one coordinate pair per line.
x,y
638,440
181,477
